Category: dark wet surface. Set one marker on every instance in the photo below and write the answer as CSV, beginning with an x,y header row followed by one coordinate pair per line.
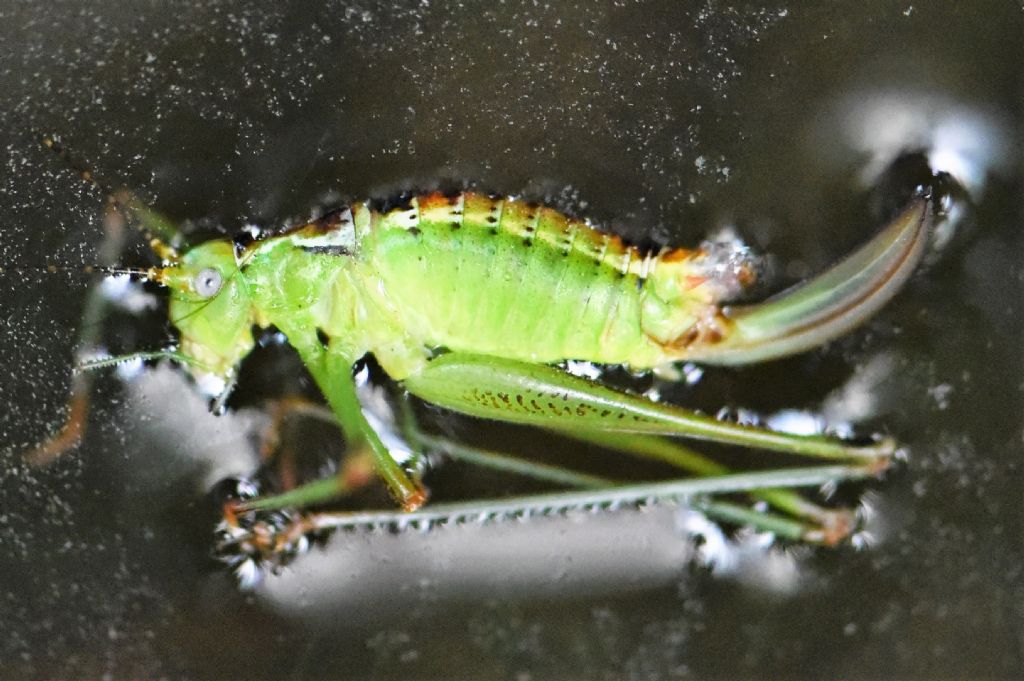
x,y
665,120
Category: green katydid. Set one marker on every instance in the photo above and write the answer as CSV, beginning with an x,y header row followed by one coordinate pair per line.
x,y
471,303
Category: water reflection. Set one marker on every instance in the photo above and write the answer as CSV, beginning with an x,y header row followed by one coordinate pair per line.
x,y
966,141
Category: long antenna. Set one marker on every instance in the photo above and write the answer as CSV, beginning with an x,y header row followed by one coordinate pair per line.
x,y
145,273
146,220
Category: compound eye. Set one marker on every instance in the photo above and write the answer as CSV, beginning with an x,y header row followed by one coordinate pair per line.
x,y
208,282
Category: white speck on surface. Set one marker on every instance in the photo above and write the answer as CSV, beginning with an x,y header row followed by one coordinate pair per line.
x,y
795,421
856,400
751,558
940,393
126,294
129,368
967,142
583,369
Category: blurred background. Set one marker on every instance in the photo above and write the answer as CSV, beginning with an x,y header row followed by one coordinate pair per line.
x,y
666,121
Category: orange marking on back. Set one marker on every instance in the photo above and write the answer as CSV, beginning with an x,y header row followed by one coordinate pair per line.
x,y
615,245
677,255
433,200
693,281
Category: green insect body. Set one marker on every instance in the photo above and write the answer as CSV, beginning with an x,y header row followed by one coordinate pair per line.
x,y
465,273
471,303
468,300
468,273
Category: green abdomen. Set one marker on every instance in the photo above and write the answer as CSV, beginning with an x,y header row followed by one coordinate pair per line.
x,y
505,278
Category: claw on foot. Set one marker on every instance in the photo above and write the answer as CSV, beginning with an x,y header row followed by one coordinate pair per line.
x,y
836,526
415,500
251,540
